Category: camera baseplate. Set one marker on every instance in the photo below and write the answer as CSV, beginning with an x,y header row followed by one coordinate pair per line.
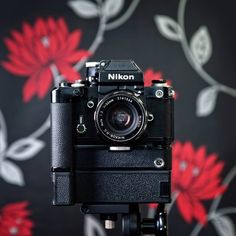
x,y
132,223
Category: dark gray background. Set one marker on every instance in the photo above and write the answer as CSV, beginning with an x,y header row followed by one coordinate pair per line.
x,y
140,40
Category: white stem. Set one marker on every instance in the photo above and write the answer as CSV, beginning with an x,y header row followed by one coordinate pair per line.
x,y
151,212
98,38
230,176
57,78
120,21
210,80
226,211
103,26
46,124
3,125
3,128
41,130
215,204
221,212
174,198
196,66
196,230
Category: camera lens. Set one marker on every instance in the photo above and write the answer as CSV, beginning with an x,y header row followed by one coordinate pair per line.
x,y
121,117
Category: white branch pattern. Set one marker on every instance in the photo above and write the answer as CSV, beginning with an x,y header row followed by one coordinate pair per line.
x,y
198,68
32,140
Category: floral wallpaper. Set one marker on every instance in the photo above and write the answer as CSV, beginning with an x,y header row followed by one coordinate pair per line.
x,y
187,42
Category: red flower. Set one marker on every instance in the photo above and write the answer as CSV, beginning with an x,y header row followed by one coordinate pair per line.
x,y
14,220
195,177
38,48
150,75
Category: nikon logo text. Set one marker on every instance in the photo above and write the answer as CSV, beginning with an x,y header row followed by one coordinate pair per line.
x,y
120,77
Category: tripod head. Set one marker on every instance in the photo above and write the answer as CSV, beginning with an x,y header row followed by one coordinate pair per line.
x,y
132,223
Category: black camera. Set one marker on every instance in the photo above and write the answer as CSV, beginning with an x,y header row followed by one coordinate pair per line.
x,y
111,137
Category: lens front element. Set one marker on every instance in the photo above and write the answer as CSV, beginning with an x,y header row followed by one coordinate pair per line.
x,y
121,117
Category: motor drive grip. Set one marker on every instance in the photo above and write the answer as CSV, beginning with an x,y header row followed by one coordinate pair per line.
x,y
61,136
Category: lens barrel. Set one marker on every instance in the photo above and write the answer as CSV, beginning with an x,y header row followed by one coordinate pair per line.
x,y
121,117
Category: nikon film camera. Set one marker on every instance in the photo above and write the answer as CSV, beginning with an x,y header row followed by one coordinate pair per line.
x,y
111,145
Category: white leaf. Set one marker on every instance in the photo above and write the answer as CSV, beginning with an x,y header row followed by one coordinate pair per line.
x,y
84,8
11,173
24,149
201,45
224,226
112,7
93,227
206,101
168,27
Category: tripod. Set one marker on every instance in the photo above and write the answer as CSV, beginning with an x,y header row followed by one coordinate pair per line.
x,y
132,224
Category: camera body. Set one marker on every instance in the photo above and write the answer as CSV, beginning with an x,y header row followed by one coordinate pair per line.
x,y
111,137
